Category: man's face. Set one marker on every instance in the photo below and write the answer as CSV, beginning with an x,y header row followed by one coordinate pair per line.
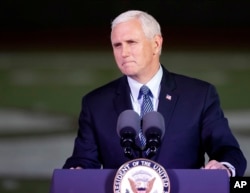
x,y
135,54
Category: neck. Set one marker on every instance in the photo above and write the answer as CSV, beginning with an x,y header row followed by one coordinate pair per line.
x,y
148,74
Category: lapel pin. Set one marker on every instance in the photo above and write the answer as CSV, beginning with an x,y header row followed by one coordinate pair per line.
x,y
168,97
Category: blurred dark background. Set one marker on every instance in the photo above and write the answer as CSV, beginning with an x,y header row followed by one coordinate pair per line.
x,y
77,23
52,52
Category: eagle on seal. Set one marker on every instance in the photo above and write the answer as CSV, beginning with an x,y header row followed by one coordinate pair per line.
x,y
139,188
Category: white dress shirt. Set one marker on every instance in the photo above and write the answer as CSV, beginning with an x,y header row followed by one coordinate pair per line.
x,y
153,85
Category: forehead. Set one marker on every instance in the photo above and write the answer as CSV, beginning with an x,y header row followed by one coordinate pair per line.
x,y
131,28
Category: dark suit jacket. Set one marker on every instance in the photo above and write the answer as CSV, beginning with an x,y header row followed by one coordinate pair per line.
x,y
194,122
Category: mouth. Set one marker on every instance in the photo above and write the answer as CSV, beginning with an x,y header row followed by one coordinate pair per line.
x,y
127,63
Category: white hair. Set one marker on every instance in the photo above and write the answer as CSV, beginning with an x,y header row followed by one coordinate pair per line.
x,y
149,24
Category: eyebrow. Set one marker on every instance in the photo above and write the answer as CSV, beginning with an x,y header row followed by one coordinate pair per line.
x,y
127,41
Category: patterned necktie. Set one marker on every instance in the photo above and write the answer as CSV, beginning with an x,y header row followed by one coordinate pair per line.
x,y
146,107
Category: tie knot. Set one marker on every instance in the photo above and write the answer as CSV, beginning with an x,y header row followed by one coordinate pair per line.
x,y
144,91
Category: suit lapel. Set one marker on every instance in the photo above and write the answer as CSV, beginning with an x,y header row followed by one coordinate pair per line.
x,y
167,97
122,99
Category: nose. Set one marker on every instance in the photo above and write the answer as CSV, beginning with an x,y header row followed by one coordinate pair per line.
x,y
125,51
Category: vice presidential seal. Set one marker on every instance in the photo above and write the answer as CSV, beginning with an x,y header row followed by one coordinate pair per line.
x,y
141,176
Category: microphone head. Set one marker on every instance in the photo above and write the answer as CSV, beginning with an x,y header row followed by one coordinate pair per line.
x,y
153,123
128,122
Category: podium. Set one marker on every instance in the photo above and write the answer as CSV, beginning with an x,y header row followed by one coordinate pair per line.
x,y
101,181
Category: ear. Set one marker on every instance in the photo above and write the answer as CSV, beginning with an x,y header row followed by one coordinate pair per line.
x,y
157,44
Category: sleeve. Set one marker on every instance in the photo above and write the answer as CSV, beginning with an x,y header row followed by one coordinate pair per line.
x,y
85,152
217,138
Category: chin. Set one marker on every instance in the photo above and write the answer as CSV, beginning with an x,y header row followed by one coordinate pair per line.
x,y
129,73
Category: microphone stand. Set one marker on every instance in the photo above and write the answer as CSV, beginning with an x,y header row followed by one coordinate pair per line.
x,y
140,151
148,151
128,151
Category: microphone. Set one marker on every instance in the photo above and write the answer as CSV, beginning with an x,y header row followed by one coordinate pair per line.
x,y
128,126
153,128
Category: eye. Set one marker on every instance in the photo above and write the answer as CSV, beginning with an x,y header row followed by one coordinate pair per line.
x,y
131,42
116,45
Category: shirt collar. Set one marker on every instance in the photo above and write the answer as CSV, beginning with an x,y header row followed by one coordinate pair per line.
x,y
153,85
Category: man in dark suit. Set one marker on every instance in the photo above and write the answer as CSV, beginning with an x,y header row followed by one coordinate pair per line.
x,y
194,122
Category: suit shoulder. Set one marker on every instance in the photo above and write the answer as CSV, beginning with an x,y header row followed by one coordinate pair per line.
x,y
187,84
194,88
185,80
106,89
